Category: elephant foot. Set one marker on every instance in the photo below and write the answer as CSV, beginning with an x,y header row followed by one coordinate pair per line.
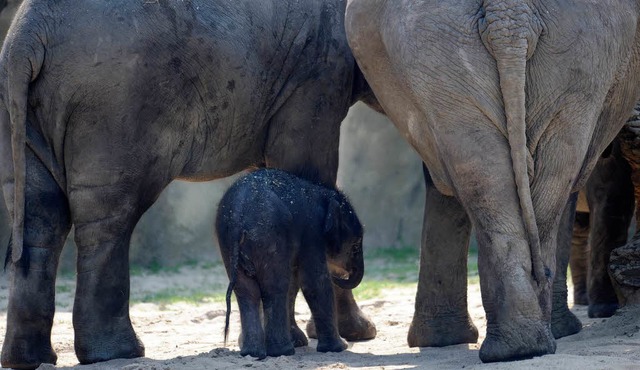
x,y
111,343
280,348
259,352
297,337
441,331
353,325
598,310
517,341
331,345
564,323
27,352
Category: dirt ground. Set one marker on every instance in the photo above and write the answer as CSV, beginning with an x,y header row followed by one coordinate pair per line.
x,y
189,335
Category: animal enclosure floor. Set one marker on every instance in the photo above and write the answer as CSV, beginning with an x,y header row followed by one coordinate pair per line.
x,y
189,335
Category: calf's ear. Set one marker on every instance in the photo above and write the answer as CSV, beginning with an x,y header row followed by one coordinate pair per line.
x,y
332,225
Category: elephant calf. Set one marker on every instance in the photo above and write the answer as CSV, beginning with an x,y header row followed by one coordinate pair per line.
x,y
273,226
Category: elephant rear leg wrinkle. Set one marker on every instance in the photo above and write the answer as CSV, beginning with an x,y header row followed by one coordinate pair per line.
x,y
441,316
31,306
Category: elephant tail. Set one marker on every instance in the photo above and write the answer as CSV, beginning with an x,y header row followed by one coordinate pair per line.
x,y
22,60
510,33
233,277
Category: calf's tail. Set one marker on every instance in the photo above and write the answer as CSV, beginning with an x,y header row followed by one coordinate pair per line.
x,y
233,276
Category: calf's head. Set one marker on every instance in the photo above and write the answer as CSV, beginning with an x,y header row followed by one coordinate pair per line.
x,y
343,232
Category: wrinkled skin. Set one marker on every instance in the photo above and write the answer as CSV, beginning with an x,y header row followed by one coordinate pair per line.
x,y
508,166
609,196
114,107
273,228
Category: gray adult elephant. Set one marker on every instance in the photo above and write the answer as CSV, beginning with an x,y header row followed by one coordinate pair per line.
x,y
509,103
105,103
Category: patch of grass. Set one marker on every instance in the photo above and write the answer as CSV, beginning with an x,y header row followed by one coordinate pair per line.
x,y
373,288
63,289
174,295
392,264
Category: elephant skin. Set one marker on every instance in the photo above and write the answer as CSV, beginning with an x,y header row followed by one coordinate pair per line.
x,y
504,135
273,229
105,103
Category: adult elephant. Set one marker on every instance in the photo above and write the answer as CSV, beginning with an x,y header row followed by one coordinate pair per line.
x,y
509,103
100,113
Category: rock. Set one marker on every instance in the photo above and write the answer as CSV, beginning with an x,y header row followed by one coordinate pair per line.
x,y
624,268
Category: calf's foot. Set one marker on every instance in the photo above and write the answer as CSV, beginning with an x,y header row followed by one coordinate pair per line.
x,y
441,331
280,348
517,341
331,345
297,337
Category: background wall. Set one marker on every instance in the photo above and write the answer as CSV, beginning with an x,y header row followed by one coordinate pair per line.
x,y
379,172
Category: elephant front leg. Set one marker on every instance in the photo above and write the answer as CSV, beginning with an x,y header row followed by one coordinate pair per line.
x,y
441,316
563,321
31,306
104,220
318,291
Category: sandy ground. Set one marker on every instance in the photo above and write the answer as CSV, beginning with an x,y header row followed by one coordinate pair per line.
x,y
189,336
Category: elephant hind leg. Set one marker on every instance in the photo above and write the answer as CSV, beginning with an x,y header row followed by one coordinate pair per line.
x,y
104,220
441,316
31,306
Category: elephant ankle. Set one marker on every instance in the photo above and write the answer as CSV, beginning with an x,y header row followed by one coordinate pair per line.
x,y
564,323
440,331
336,344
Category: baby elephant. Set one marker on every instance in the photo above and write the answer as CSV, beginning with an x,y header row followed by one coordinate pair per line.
x,y
273,227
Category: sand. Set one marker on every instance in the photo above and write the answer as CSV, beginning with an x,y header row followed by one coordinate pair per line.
x,y
189,335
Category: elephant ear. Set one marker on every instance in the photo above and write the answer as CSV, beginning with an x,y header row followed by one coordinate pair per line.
x,y
332,229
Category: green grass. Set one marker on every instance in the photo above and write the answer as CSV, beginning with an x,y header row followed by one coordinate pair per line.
x,y
369,289
385,268
173,295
